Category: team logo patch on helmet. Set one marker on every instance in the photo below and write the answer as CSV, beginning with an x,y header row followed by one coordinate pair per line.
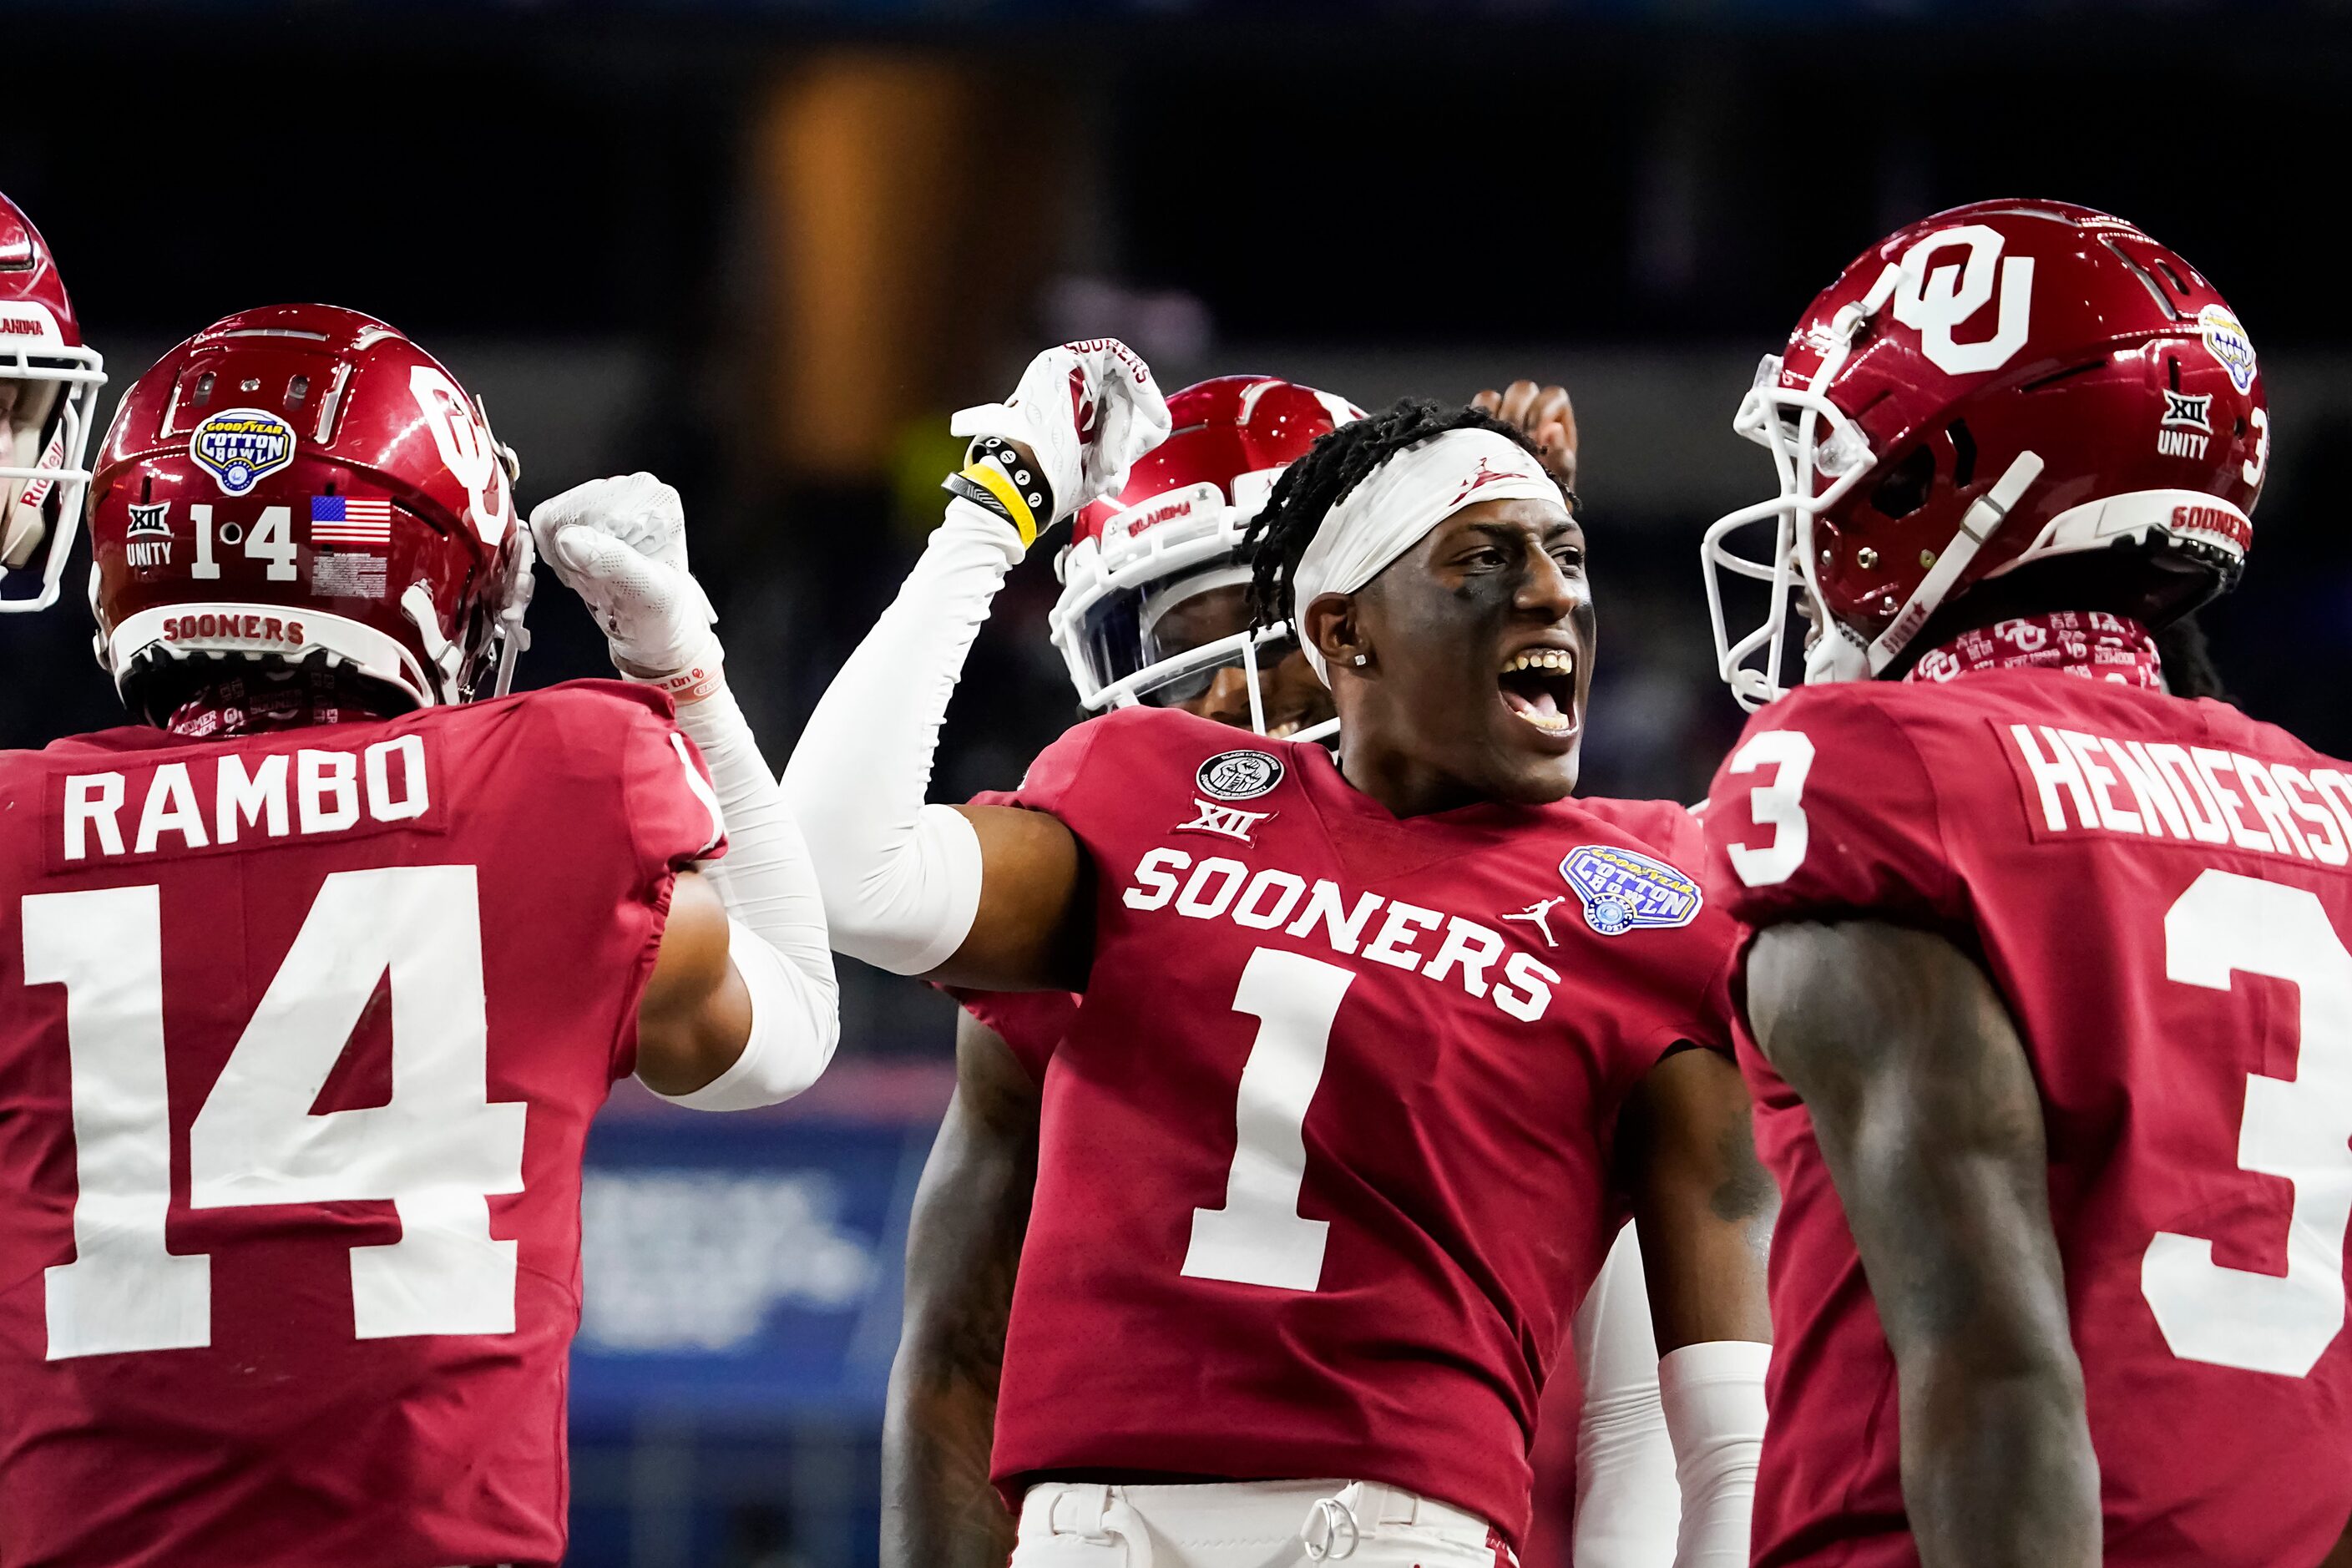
x,y
151,521
2227,342
1623,892
1239,775
239,447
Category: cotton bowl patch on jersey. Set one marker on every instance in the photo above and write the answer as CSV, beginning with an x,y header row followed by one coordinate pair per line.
x,y
1623,892
1239,775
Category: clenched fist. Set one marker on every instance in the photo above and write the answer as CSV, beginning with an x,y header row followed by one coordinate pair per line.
x,y
620,545
1085,412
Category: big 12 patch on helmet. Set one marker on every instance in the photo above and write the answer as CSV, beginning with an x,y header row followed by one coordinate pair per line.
x,y
1623,892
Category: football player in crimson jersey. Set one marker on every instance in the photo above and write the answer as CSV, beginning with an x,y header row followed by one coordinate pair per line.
x,y
2048,998
1330,1150
299,1037
48,390
1154,611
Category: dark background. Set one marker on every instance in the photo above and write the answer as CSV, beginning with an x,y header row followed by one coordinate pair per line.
x,y
763,247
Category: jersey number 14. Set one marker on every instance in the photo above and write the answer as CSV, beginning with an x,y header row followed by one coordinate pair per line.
x,y
435,1150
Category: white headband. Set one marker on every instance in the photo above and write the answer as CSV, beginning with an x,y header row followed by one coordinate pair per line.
x,y
1394,507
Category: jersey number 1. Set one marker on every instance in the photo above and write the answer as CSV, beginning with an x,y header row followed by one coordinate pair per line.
x,y
435,1150
1259,1238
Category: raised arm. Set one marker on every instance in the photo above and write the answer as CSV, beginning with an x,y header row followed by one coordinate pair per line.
x,y
1703,1208
983,896
1928,1117
964,1243
743,1008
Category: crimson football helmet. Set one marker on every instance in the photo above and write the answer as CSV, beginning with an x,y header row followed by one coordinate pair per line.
x,y
302,482
48,390
1995,387
1174,534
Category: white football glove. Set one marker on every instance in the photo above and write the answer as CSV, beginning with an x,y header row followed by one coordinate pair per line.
x,y
620,545
1087,411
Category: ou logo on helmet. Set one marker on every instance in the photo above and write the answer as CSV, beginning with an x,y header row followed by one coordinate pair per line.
x,y
466,450
1933,302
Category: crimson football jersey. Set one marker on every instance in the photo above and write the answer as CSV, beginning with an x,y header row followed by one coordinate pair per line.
x,y
2157,888
301,1034
1324,1153
1030,1023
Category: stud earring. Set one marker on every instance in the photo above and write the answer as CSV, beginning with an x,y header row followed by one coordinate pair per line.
x,y
1363,658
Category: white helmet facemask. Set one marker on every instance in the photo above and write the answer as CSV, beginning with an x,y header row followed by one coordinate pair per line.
x,y
1176,675
1119,589
1809,437
47,392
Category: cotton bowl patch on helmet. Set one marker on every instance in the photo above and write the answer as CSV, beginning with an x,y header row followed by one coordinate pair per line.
x,y
1622,891
239,447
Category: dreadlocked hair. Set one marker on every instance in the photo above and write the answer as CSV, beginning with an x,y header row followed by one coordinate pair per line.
x,y
1321,479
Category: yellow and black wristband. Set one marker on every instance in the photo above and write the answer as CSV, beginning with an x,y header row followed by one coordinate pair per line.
x,y
1005,457
1010,505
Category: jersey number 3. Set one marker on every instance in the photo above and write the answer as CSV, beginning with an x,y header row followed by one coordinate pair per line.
x,y
2299,1128
2296,1128
435,1150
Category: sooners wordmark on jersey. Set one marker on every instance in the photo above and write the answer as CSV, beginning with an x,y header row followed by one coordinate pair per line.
x,y
2158,889
1324,1153
299,1044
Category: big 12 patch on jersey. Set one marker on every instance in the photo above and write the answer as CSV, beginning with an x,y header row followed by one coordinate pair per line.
x,y
1622,891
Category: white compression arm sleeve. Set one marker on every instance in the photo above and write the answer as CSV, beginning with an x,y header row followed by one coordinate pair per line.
x,y
901,879
776,930
1627,1504
1714,1397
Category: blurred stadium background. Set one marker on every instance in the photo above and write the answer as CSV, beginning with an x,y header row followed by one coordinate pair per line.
x,y
763,247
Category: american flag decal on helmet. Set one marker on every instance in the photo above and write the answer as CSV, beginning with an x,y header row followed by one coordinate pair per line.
x,y
348,520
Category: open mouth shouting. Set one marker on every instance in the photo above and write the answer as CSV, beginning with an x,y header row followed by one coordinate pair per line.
x,y
1538,687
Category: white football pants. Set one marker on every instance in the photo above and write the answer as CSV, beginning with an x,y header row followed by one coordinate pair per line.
x,y
1249,1524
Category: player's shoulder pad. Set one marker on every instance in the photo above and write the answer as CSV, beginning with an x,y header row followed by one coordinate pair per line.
x,y
1123,737
584,708
618,699
1885,720
1155,727
1666,828
578,729
1825,805
1832,700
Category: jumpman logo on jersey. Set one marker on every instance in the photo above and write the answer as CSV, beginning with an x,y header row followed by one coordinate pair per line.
x,y
1538,915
